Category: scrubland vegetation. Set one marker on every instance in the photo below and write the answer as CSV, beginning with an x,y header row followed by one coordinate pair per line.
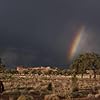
x,y
80,82
40,87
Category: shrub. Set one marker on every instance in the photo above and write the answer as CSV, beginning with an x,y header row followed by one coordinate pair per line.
x,y
91,96
22,97
25,97
51,97
49,87
74,94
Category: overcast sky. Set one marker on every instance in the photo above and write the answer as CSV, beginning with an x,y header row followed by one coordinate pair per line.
x,y
39,32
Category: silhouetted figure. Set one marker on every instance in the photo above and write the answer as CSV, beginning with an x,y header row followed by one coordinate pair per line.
x,y
1,87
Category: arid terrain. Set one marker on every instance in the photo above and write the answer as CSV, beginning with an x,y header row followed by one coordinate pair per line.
x,y
81,81
44,87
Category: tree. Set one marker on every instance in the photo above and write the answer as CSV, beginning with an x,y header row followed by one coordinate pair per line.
x,y
12,71
25,72
2,68
86,61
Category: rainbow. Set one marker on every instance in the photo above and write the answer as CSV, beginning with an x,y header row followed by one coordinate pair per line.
x,y
75,43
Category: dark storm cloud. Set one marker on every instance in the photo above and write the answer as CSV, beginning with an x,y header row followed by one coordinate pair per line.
x,y
39,31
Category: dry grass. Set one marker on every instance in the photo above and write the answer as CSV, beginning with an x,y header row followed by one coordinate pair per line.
x,y
61,85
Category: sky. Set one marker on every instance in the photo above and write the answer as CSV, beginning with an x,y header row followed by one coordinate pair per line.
x,y
41,32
